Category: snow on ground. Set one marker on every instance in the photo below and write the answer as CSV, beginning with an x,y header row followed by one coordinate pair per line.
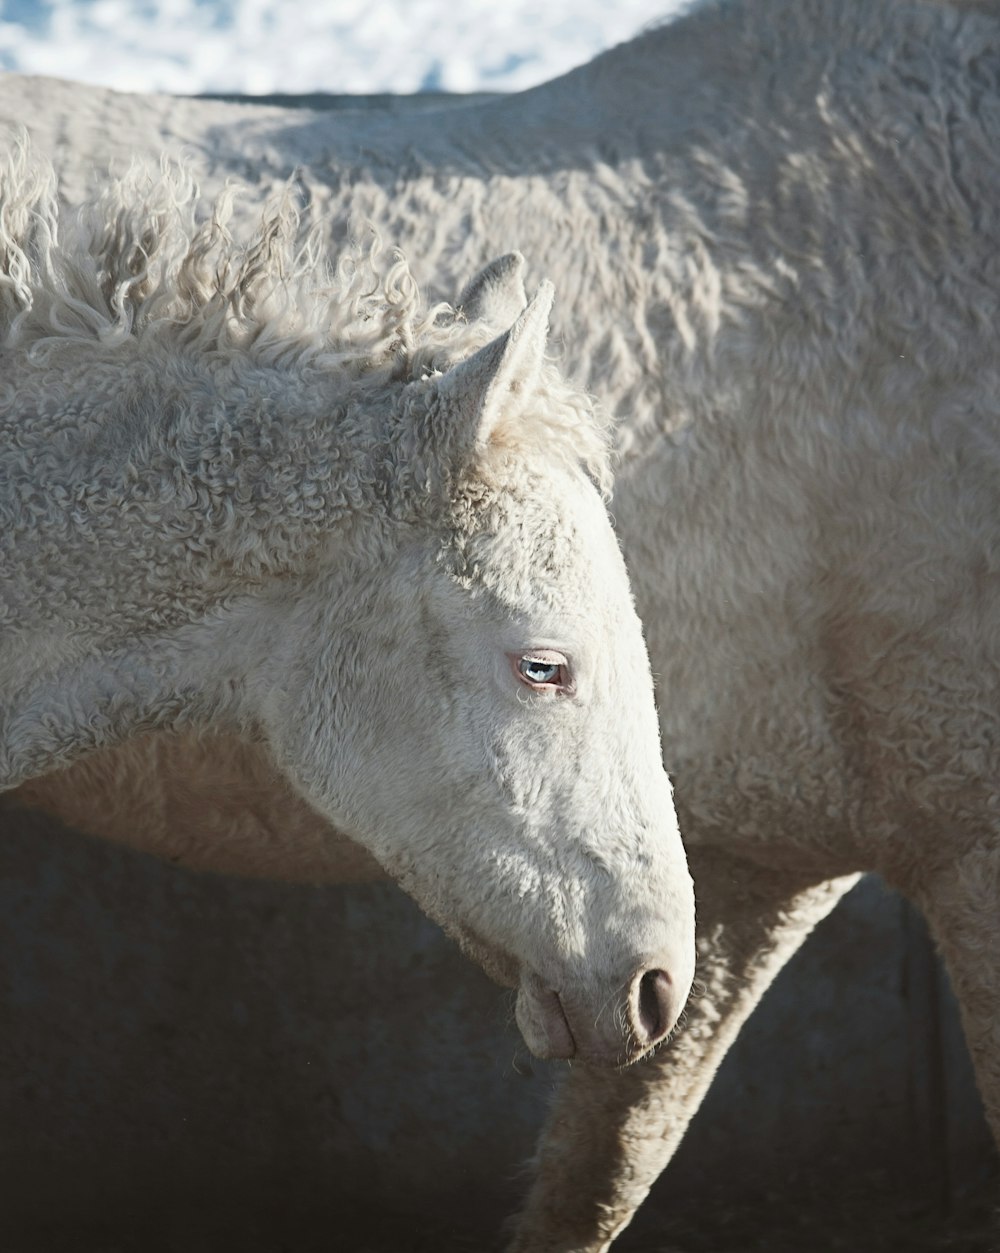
x,y
355,46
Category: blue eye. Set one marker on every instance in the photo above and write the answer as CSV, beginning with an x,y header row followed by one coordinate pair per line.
x,y
539,671
546,670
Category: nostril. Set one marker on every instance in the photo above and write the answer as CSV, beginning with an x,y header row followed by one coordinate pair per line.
x,y
655,1007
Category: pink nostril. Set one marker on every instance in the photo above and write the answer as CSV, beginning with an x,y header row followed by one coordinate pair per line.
x,y
655,1007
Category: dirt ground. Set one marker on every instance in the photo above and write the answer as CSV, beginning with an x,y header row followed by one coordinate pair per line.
x,y
773,1227
859,1223
869,1231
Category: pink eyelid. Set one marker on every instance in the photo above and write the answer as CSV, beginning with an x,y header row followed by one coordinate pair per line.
x,y
547,657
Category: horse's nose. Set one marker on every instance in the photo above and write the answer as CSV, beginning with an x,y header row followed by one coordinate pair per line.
x,y
654,1007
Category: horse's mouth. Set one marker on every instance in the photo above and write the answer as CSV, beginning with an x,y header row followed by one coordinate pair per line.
x,y
539,1011
542,1020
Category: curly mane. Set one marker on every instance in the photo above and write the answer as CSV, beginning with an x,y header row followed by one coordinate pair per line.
x,y
145,261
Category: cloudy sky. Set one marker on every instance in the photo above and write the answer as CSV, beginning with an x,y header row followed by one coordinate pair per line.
x,y
357,46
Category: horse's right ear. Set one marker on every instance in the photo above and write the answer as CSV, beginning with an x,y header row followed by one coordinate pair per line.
x,y
496,295
492,387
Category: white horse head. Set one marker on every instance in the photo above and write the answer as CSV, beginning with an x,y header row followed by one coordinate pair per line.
x,y
375,545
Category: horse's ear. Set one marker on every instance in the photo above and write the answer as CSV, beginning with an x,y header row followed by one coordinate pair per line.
x,y
495,382
496,295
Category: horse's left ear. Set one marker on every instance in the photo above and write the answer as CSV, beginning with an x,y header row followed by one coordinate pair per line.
x,y
496,295
495,382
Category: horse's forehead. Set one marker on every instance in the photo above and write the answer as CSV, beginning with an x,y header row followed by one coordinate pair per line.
x,y
551,547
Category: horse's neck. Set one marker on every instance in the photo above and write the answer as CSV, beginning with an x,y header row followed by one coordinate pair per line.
x,y
56,709
137,549
172,489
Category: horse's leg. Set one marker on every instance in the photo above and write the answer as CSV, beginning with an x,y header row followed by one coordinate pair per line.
x,y
961,902
609,1135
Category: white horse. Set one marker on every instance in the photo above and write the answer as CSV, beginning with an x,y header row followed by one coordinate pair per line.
x,y
775,226
237,494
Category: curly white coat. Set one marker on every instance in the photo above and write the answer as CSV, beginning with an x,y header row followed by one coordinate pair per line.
x,y
775,227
